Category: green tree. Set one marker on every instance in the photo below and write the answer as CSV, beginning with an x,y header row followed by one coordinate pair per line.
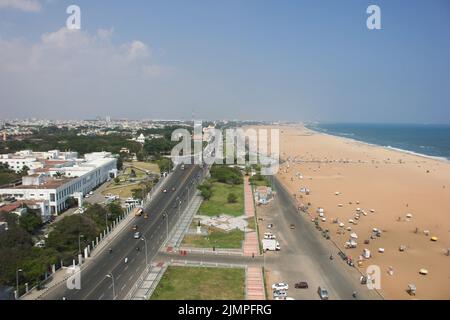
x,y
232,198
30,221
120,163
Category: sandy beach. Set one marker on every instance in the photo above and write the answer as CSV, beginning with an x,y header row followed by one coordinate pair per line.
x,y
405,196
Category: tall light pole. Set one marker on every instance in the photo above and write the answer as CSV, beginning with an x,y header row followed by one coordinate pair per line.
x,y
166,216
17,281
145,242
110,275
79,242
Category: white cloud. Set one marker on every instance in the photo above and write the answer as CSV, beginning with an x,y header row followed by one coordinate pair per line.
x,y
76,70
23,5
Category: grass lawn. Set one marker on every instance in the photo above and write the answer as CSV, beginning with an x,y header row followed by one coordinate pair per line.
x,y
199,283
218,238
218,203
150,166
123,191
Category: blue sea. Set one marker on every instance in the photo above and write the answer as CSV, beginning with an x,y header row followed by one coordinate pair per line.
x,y
425,139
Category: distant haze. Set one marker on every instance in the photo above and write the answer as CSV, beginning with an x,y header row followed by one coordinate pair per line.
x,y
249,59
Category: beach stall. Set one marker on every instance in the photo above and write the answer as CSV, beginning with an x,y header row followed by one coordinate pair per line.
x,y
366,253
411,289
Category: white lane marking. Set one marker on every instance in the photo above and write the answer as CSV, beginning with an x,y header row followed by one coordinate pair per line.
x,y
119,276
130,278
123,287
101,297
126,268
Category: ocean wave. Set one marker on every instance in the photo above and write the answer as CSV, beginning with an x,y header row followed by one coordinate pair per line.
x,y
445,159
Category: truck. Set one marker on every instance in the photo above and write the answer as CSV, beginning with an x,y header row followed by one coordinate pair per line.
x,y
270,245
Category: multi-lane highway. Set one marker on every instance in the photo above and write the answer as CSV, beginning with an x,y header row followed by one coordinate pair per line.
x,y
164,211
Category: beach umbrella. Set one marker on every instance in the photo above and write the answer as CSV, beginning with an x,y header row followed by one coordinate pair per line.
x,y
354,235
434,239
380,250
372,210
341,225
409,215
423,272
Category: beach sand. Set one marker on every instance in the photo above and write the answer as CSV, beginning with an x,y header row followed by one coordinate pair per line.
x,y
392,183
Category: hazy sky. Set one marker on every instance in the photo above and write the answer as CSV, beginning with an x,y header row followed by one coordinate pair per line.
x,y
250,59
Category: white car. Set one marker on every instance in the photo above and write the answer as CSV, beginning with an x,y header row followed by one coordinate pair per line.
x,y
280,286
280,294
269,235
91,192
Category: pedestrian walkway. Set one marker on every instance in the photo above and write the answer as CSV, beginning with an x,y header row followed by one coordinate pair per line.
x,y
148,285
251,244
184,222
254,284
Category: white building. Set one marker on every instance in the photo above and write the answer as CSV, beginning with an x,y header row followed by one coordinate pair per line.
x,y
57,181
141,139
34,160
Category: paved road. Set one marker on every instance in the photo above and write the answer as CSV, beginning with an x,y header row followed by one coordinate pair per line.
x,y
304,254
163,212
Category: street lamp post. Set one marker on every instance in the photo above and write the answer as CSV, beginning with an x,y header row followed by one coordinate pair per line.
x,y
145,242
166,216
110,275
79,242
17,281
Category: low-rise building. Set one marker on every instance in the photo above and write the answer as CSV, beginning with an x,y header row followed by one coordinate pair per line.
x,y
59,179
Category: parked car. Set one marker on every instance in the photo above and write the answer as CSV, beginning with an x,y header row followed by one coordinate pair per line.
x,y
269,235
292,226
165,191
137,235
280,286
91,192
323,293
135,227
173,189
270,226
301,285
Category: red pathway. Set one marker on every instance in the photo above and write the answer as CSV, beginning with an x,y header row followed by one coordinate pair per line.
x,y
254,281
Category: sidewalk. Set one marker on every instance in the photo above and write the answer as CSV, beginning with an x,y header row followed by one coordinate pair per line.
x,y
254,285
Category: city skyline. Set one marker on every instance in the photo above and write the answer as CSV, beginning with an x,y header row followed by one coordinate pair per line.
x,y
299,61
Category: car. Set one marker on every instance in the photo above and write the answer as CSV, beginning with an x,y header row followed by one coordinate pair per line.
x,y
91,192
270,226
280,294
173,189
165,191
137,235
323,293
135,227
87,196
301,285
292,226
280,286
